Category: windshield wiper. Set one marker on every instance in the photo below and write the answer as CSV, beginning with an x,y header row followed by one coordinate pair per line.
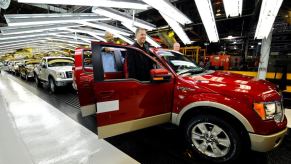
x,y
196,71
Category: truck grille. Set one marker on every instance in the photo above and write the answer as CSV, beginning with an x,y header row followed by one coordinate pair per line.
x,y
69,74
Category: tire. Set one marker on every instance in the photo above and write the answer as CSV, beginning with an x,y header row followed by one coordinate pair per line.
x,y
213,139
37,82
52,85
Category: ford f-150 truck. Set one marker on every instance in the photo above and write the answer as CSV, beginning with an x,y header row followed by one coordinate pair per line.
x,y
222,114
54,71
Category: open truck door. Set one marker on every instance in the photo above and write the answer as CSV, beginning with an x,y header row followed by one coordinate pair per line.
x,y
126,104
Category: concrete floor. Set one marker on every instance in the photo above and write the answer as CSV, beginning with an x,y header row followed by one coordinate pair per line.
x,y
34,132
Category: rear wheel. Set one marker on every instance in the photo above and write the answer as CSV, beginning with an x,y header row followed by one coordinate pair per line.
x,y
213,139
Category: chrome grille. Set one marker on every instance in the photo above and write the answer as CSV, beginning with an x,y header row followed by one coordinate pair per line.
x,y
69,74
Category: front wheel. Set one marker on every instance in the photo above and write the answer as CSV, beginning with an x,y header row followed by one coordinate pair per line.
x,y
213,139
52,85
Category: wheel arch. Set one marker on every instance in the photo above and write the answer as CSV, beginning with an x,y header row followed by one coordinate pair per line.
x,y
207,107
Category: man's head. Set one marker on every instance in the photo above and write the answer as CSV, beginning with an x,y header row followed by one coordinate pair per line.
x,y
140,35
108,37
176,46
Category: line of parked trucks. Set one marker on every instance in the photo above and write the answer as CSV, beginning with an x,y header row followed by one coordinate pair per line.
x,y
221,114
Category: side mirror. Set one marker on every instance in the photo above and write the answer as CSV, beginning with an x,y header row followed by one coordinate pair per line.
x,y
43,66
160,75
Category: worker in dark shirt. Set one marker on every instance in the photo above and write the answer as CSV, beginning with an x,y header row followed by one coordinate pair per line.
x,y
139,65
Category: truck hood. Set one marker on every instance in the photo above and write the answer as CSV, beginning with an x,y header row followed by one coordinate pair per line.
x,y
236,85
61,69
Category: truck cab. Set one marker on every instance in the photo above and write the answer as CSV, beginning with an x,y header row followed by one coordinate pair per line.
x,y
221,113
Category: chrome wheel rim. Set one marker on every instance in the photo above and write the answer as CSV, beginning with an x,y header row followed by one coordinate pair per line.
x,y
210,139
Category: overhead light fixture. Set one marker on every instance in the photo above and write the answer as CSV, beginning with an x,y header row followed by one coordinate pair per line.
x,y
41,19
206,13
101,3
19,36
76,37
268,13
165,7
232,8
32,29
120,16
68,41
124,38
86,30
106,27
91,32
148,38
177,28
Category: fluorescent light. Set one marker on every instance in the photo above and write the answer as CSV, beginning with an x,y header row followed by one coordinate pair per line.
x,y
86,30
127,40
102,3
177,28
76,37
32,29
91,32
268,13
206,13
68,41
120,16
106,27
19,36
232,8
148,38
27,19
165,7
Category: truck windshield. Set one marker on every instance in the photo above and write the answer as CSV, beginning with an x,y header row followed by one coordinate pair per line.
x,y
180,63
60,62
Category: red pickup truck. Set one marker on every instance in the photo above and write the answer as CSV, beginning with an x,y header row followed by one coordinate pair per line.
x,y
221,113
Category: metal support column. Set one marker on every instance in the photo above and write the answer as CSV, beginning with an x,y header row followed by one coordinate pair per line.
x,y
264,58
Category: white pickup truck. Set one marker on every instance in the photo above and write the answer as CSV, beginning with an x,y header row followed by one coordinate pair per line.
x,y
55,72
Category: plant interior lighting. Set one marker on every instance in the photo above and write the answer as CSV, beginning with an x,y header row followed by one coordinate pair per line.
x,y
177,28
120,16
32,29
206,13
106,27
148,38
95,35
268,13
27,20
127,40
101,3
232,8
165,7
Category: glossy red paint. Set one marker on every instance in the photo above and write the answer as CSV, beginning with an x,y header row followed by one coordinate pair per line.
x,y
140,100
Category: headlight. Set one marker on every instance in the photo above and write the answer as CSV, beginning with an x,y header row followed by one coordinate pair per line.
x,y
61,75
270,110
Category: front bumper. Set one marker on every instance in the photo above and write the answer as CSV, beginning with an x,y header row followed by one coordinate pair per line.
x,y
63,82
264,143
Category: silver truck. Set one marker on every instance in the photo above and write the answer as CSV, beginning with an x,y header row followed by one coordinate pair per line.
x,y
55,72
